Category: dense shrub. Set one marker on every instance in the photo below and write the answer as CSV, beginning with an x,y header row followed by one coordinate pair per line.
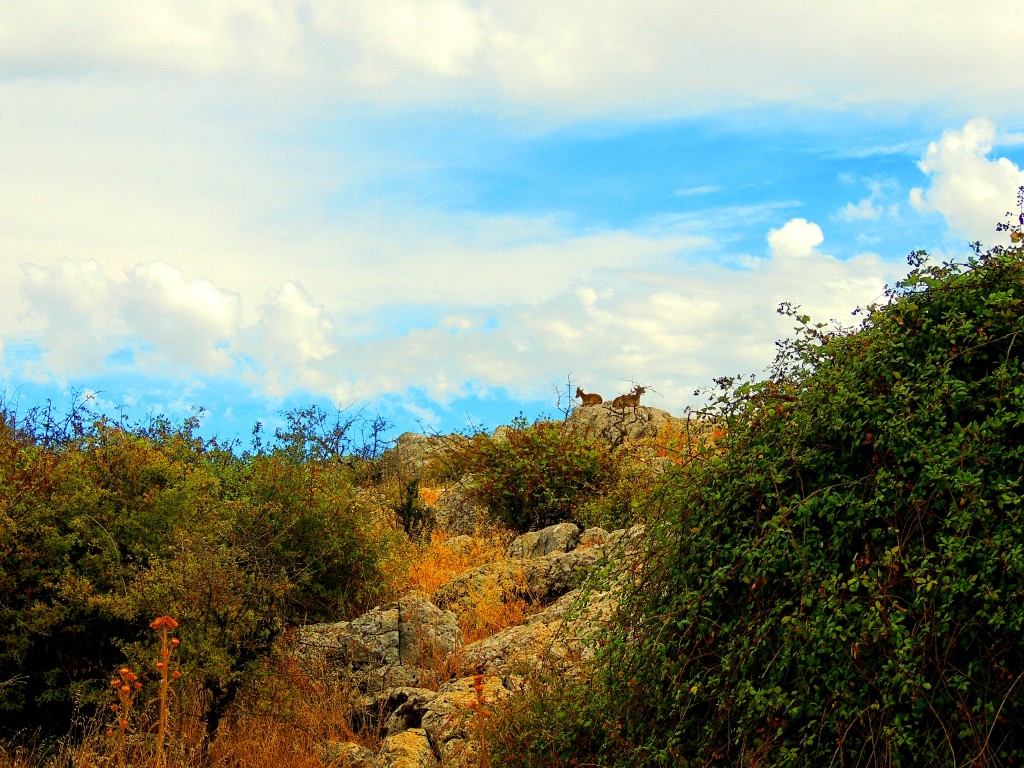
x,y
105,526
844,583
532,476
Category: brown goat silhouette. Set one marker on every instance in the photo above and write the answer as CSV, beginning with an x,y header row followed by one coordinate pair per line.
x,y
631,399
591,399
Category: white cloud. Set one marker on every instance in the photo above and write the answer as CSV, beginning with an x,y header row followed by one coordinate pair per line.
x,y
437,37
649,56
179,321
797,239
665,321
79,316
293,329
865,210
971,191
872,207
69,298
292,342
671,326
705,189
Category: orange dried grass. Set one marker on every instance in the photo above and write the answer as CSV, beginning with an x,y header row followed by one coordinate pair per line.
x,y
493,612
681,441
437,562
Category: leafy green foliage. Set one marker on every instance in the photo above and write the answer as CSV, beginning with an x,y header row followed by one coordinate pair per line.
x,y
843,584
532,476
104,526
560,720
847,583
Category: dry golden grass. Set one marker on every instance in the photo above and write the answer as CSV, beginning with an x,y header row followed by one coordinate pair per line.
x,y
681,441
494,609
437,562
429,496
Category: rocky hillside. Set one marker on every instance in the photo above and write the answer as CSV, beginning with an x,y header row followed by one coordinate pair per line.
x,y
421,687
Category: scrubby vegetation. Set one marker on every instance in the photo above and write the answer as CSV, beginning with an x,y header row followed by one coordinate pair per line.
x,y
834,573
843,584
105,526
530,476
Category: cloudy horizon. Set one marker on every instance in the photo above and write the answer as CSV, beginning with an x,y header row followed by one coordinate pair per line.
x,y
445,210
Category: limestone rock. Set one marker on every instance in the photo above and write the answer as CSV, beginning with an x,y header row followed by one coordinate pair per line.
x,y
346,754
449,717
542,579
409,749
618,425
593,537
546,578
562,538
563,633
388,647
403,708
411,454
455,512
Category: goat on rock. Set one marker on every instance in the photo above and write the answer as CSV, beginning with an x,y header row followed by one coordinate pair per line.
x,y
629,400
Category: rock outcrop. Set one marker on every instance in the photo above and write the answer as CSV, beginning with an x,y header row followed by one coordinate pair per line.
x,y
393,652
556,538
619,425
391,646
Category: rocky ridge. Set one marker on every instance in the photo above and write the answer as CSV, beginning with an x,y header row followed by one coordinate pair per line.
x,y
394,652
418,683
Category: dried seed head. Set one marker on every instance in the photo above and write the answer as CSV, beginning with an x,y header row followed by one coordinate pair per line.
x,y
164,621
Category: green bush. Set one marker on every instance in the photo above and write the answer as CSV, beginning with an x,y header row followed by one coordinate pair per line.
x,y
843,584
537,475
104,527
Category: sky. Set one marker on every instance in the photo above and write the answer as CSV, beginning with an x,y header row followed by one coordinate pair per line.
x,y
451,212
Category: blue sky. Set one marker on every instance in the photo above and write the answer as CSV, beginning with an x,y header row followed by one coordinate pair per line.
x,y
446,211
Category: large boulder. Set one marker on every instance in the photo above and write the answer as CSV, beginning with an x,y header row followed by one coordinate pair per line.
x,y
455,511
539,580
393,645
619,425
402,708
408,749
412,453
452,718
564,633
347,754
542,579
555,538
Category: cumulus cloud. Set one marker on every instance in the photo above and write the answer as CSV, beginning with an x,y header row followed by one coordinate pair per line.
x,y
661,318
292,328
81,316
70,298
797,239
292,341
875,205
672,326
177,320
970,190
865,210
